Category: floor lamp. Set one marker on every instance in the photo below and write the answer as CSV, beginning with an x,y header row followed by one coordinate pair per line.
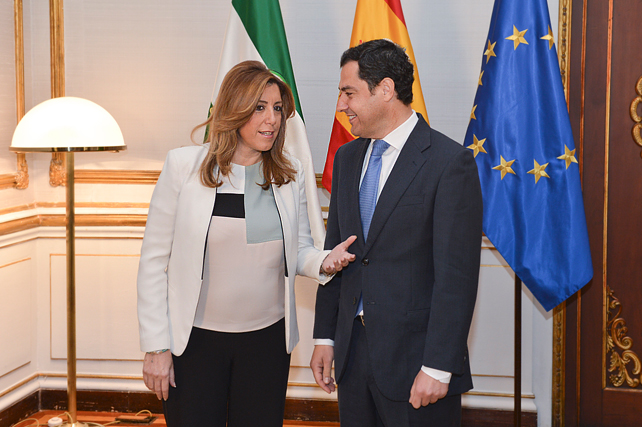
x,y
68,124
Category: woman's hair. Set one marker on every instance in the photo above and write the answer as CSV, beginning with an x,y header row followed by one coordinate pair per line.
x,y
235,104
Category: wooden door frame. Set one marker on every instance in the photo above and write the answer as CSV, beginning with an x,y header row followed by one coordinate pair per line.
x,y
559,312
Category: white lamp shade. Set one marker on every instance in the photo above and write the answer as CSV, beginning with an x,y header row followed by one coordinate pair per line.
x,y
67,124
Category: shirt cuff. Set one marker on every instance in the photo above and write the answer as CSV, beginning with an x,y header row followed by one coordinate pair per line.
x,y
324,341
441,376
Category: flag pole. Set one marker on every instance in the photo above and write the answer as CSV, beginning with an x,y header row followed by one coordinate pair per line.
x,y
518,351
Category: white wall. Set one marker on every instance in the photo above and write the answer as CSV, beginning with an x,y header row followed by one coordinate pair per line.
x,y
152,64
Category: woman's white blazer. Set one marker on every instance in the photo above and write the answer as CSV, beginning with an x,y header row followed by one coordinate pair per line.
x,y
170,272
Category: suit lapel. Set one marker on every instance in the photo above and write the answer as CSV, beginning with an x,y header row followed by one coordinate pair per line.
x,y
351,198
409,162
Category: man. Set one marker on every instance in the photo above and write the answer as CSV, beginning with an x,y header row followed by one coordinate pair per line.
x,y
396,320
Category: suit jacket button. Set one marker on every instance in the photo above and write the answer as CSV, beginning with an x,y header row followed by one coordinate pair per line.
x,y
354,301
365,261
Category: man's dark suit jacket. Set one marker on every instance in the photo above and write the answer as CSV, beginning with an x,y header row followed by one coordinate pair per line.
x,y
418,269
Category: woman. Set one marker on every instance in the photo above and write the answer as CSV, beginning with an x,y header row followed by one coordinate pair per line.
x,y
227,232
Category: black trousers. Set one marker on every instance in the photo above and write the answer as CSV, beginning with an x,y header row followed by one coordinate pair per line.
x,y
361,404
233,379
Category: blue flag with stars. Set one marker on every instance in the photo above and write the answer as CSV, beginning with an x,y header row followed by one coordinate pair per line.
x,y
521,137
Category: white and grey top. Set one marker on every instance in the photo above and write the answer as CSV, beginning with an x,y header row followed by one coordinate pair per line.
x,y
243,278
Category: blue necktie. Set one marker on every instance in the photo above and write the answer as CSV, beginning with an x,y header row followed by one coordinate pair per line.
x,y
368,192
370,185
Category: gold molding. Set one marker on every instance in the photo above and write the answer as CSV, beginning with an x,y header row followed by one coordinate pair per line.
x,y
7,181
107,176
20,384
87,220
95,205
22,176
637,128
113,176
319,177
616,341
20,179
57,175
57,170
14,263
605,220
559,313
563,42
559,363
96,220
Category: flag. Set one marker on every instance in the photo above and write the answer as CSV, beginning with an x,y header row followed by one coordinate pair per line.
x,y
373,19
520,134
255,31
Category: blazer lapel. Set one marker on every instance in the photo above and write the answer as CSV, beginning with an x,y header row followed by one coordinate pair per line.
x,y
351,198
284,205
409,162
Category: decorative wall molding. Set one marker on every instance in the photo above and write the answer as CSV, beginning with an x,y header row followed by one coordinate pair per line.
x,y
559,361
57,174
563,41
559,312
57,170
618,346
87,176
7,181
637,128
25,217
20,179
113,176
96,220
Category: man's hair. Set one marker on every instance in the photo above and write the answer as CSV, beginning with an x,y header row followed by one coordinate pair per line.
x,y
378,59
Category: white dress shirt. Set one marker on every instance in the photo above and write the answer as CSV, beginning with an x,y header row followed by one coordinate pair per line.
x,y
396,139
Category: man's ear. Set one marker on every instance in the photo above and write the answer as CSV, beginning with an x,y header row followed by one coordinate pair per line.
x,y
387,86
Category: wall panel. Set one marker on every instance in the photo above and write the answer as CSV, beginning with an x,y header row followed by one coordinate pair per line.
x,y
17,314
107,327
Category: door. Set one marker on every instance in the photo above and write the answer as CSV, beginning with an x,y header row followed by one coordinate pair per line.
x,y
603,345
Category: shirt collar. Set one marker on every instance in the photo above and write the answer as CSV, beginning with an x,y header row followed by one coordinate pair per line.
x,y
398,137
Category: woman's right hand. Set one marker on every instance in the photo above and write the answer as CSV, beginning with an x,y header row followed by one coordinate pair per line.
x,y
158,373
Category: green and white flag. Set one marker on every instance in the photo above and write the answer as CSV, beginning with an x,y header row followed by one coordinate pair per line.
x,y
255,31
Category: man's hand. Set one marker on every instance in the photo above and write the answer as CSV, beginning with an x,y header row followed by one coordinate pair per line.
x,y
426,390
321,364
339,257
158,373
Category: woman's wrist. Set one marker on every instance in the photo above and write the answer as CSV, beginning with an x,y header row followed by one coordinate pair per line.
x,y
321,269
158,351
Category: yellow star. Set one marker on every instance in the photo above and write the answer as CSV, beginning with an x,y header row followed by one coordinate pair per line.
x,y
479,83
477,145
538,171
490,51
505,167
517,37
568,156
472,113
549,37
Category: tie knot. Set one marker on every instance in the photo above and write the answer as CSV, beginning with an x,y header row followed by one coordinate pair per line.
x,y
379,147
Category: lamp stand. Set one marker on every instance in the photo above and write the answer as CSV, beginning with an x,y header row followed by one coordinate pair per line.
x,y
64,125
71,296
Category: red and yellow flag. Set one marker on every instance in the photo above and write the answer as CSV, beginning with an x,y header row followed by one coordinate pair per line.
x,y
373,19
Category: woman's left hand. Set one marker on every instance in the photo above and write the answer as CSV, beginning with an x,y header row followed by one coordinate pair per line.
x,y
339,257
